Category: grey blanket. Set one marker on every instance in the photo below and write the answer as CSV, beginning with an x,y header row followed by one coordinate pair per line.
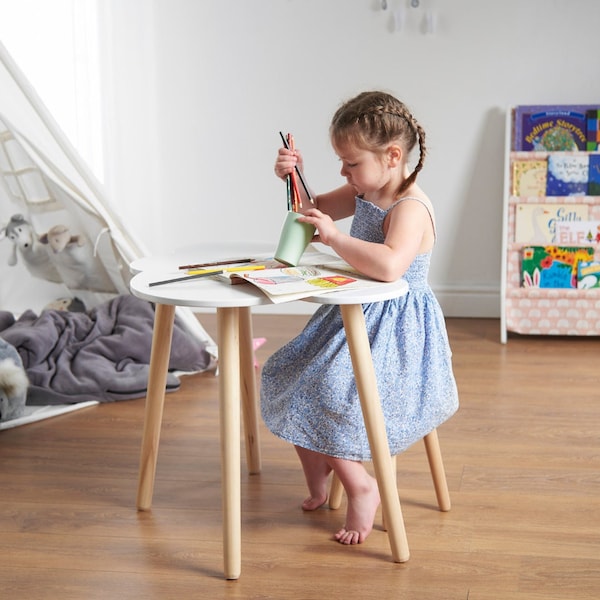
x,y
102,354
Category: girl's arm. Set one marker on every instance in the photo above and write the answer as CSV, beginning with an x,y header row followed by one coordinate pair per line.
x,y
409,232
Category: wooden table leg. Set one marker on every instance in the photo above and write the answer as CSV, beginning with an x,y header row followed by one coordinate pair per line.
x,y
366,383
229,402
438,473
155,398
249,392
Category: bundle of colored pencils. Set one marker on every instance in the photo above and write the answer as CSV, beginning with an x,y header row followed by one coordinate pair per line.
x,y
294,199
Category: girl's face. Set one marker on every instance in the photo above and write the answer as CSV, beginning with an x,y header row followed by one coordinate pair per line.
x,y
365,171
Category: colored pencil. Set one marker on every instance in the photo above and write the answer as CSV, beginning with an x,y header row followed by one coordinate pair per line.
x,y
188,278
231,269
218,263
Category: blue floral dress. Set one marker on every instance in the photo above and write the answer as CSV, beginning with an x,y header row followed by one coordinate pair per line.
x,y
308,391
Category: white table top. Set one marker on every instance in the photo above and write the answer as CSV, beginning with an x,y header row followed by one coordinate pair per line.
x,y
213,293
385,291
201,293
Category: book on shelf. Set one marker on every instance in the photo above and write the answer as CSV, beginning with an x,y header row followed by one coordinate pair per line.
x,y
536,223
588,274
529,177
567,175
552,266
593,129
594,175
578,233
551,128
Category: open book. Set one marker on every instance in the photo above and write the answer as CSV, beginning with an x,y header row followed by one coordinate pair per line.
x,y
317,273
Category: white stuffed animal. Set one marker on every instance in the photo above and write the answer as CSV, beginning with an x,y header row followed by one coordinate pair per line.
x,y
25,242
13,383
75,260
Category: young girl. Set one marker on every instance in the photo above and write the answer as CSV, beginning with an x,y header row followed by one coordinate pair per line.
x,y
308,392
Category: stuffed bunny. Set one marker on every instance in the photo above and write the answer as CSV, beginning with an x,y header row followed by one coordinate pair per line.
x,y
13,383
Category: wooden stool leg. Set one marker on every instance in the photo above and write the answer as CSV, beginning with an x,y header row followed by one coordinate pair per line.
x,y
155,398
395,467
364,372
249,392
229,410
436,465
336,492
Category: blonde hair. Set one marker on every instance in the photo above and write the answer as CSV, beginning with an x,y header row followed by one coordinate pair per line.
x,y
373,120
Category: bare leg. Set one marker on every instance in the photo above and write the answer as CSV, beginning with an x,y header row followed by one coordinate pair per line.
x,y
361,489
363,500
316,471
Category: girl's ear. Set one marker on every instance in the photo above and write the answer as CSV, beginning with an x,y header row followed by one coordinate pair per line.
x,y
394,155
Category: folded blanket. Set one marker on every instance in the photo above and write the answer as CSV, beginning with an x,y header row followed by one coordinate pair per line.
x,y
101,355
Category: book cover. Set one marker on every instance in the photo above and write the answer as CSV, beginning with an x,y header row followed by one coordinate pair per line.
x,y
536,223
588,274
529,177
594,175
593,129
551,128
567,175
578,233
552,266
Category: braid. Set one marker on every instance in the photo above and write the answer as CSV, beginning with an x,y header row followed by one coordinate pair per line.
x,y
372,120
422,152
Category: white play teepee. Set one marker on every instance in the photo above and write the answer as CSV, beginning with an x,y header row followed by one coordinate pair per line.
x,y
58,236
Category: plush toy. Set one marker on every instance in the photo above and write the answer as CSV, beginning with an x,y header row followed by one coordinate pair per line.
x,y
66,304
26,243
13,383
75,260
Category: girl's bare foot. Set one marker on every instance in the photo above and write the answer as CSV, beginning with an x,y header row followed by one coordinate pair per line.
x,y
360,516
312,502
316,471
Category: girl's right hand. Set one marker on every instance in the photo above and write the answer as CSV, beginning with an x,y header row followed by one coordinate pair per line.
x,y
286,161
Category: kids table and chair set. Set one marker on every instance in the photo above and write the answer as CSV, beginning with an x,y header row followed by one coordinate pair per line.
x,y
238,386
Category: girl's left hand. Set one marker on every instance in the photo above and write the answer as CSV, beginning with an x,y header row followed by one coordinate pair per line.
x,y
323,223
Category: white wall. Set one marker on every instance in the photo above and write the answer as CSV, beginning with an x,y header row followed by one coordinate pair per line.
x,y
55,45
195,92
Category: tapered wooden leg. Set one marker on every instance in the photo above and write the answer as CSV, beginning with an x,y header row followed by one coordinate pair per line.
x,y
436,465
395,469
249,392
336,491
155,398
366,383
229,403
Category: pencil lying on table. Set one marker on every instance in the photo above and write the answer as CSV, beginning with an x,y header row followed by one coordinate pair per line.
x,y
230,269
218,263
187,278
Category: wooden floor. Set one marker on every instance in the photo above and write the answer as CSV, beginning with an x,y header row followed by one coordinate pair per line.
x,y
522,459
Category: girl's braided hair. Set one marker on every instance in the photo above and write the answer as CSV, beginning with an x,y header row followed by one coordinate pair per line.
x,y
373,120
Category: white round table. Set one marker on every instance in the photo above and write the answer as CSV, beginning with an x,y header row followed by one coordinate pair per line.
x,y
237,383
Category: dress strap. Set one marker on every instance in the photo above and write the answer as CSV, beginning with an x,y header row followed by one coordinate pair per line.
x,y
425,204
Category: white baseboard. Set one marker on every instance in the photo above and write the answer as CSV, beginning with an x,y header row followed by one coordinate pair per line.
x,y
474,302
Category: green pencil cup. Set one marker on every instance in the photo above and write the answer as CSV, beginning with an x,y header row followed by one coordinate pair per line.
x,y
293,240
